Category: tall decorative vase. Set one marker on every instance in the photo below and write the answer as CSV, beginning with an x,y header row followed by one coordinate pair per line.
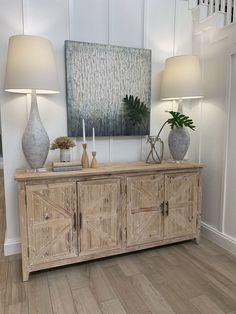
x,y
35,141
178,142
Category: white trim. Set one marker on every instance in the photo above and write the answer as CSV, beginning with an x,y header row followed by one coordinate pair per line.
x,y
71,29
228,102
1,163
145,22
12,246
110,16
225,241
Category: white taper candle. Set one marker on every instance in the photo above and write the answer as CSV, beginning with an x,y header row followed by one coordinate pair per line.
x,y
94,148
84,139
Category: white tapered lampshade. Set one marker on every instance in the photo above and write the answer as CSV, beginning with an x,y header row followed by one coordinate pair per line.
x,y
30,66
31,69
181,78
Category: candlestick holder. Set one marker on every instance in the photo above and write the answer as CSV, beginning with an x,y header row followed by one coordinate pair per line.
x,y
84,158
94,163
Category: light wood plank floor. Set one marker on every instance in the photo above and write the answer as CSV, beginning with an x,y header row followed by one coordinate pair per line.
x,y
185,278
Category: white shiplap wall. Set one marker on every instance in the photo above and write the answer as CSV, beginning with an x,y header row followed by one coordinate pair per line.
x,y
137,23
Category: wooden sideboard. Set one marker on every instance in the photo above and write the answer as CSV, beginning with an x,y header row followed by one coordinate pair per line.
x,y
70,217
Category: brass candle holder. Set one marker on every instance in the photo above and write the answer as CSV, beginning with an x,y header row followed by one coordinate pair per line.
x,y
94,163
84,158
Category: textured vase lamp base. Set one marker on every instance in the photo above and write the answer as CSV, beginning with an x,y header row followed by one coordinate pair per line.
x,y
178,141
35,141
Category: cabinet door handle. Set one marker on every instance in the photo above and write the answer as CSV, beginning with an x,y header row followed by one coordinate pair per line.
x,y
167,208
80,220
163,208
75,222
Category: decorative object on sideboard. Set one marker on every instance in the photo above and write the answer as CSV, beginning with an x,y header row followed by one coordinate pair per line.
x,y
31,70
97,78
66,166
181,79
178,139
84,158
156,151
64,143
137,113
94,163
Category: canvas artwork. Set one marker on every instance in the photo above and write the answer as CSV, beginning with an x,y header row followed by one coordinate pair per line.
x,y
98,77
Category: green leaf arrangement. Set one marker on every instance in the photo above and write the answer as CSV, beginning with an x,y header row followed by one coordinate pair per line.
x,y
137,112
179,120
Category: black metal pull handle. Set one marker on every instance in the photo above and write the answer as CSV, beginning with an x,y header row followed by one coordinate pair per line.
x,y
75,222
167,208
162,206
80,220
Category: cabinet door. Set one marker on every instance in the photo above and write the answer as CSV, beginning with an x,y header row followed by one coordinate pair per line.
x,y
145,197
181,195
51,214
100,211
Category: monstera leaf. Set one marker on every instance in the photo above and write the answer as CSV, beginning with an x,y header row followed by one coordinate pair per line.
x,y
137,112
179,120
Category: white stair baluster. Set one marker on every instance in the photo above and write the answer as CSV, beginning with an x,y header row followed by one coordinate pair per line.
x,y
211,6
229,12
222,7
217,6
234,11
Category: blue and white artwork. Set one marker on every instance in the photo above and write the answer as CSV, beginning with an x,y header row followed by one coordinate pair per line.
x,y
98,77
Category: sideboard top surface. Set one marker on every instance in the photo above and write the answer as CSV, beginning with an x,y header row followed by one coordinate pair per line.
x,y
106,169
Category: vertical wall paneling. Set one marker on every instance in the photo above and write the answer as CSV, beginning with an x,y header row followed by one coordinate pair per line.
x,y
90,19
230,196
215,62
127,23
71,22
145,22
160,40
13,116
183,25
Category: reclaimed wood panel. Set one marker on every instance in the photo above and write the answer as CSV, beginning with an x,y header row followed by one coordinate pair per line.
x,y
51,215
100,215
145,197
181,201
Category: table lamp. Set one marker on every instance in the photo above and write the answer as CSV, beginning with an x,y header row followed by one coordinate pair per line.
x,y
31,70
181,79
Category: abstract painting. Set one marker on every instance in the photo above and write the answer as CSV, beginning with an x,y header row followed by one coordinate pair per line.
x,y
98,77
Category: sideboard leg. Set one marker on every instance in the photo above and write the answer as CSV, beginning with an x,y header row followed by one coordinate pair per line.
x,y
197,239
25,274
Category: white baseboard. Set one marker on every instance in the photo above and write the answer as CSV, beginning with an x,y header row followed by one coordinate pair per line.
x,y
12,246
225,241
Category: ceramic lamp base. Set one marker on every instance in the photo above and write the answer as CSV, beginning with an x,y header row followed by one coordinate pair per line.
x,y
35,141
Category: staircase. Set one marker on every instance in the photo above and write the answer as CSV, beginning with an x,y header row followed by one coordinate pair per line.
x,y
226,8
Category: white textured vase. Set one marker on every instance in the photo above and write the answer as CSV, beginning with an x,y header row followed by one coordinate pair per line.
x,y
35,141
64,155
178,142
